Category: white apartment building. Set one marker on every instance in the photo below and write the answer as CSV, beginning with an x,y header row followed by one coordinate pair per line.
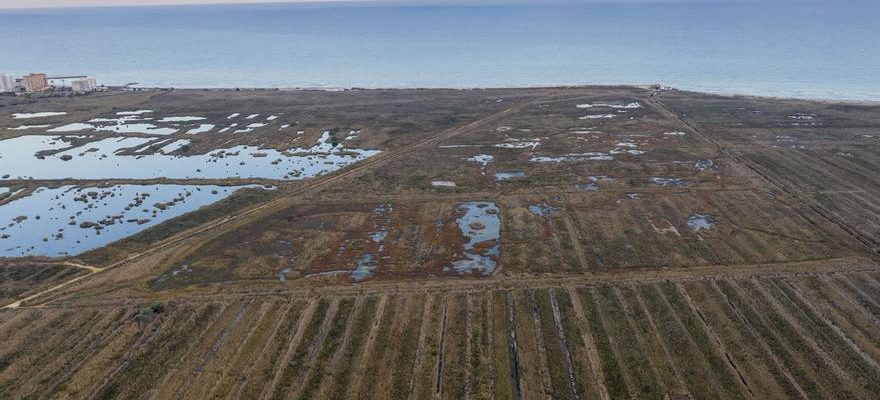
x,y
7,83
84,85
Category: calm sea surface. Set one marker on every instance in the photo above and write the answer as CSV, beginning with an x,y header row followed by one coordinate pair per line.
x,y
813,49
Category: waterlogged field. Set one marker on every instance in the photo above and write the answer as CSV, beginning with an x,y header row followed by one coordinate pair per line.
x,y
570,243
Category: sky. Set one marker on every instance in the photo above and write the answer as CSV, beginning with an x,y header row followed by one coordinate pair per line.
x,y
14,4
105,3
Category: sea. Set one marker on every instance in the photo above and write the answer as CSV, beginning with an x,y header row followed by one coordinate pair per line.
x,y
805,49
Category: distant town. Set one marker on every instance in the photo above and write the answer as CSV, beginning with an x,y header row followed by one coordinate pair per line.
x,y
42,83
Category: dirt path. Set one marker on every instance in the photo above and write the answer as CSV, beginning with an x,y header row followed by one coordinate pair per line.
x,y
18,303
831,267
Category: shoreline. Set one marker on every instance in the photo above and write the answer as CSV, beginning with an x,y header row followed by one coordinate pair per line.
x,y
643,86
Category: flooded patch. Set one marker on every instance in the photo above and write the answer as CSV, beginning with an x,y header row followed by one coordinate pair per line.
x,y
483,160
667,182
543,209
70,220
519,144
203,128
506,176
627,147
181,270
481,226
126,124
37,115
180,119
618,106
593,184
250,127
74,127
698,222
282,276
802,116
450,184
598,116
102,159
26,127
368,262
703,165
366,265
174,146
135,112
573,157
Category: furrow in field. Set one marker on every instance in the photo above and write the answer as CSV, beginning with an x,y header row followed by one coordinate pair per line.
x,y
713,336
263,372
596,376
290,374
768,377
344,363
322,351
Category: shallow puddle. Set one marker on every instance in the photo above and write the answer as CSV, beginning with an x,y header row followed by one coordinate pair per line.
x,y
449,184
598,116
593,184
506,176
543,209
203,128
37,115
26,127
481,225
632,105
482,159
181,119
703,165
667,182
698,222
366,265
135,112
573,157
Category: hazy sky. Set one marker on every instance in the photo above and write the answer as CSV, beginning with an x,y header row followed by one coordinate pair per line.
x,y
80,3
92,3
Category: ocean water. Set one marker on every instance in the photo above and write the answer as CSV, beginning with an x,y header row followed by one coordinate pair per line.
x,y
808,48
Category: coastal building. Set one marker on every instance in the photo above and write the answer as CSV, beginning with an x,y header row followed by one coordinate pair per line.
x,y
35,82
7,83
84,85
